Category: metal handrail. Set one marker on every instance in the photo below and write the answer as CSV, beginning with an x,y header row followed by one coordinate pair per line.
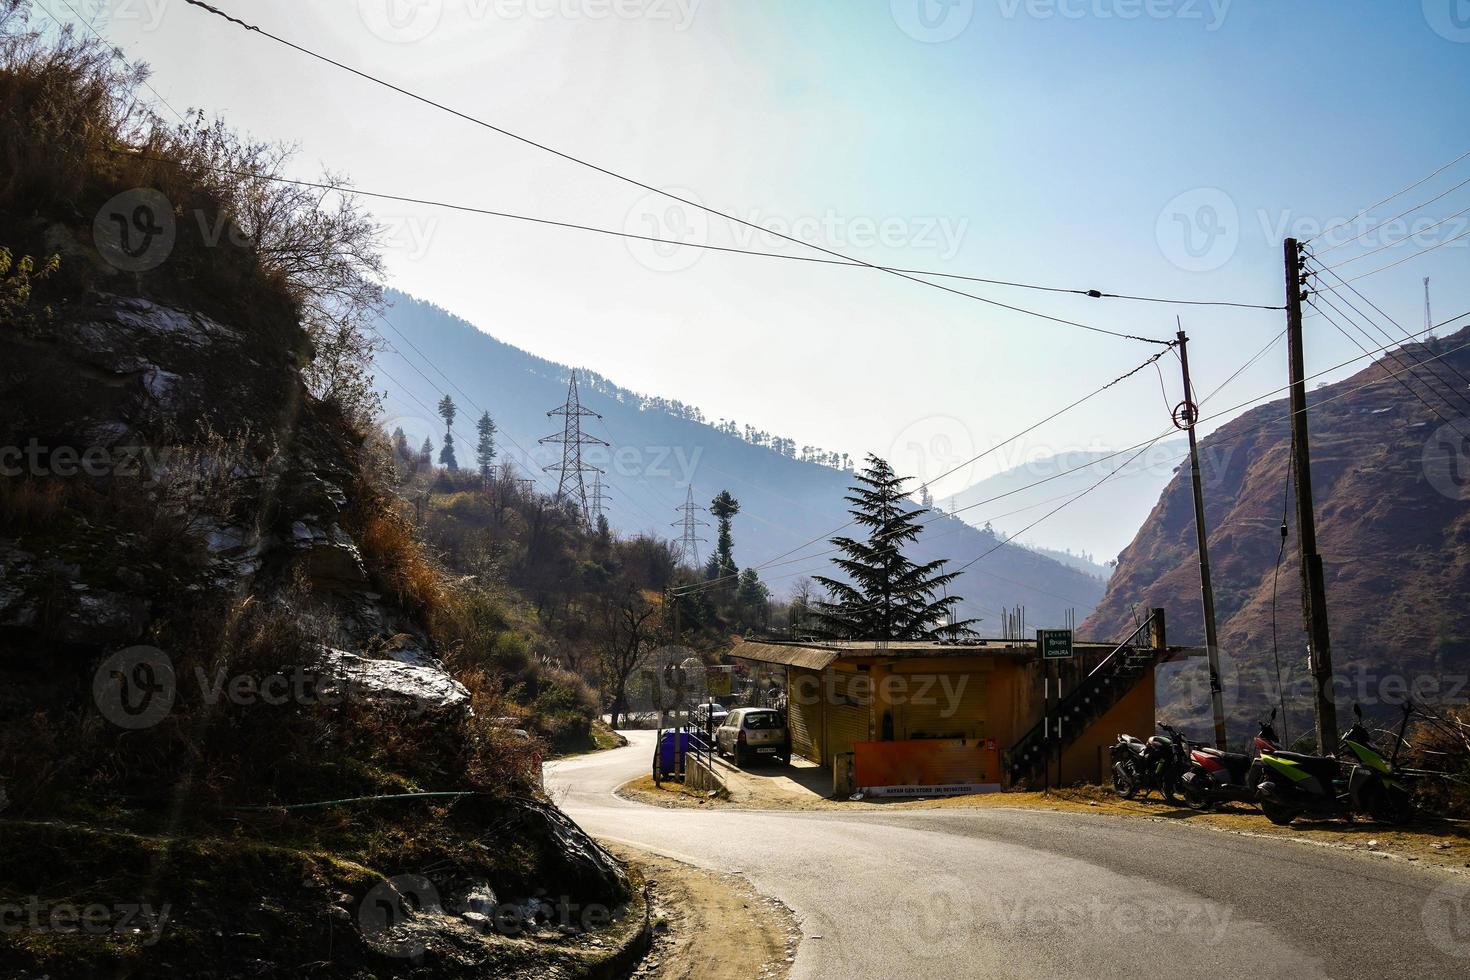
x,y
1110,660
1125,645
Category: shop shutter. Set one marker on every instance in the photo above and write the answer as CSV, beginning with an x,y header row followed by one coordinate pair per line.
x,y
847,716
932,713
804,713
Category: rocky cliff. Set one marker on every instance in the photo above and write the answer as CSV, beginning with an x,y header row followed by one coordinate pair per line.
x,y
1392,484
182,524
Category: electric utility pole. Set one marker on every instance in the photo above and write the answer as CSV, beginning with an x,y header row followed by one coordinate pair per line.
x,y
1314,589
1185,417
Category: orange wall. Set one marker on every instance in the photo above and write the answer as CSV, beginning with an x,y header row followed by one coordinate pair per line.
x,y
1086,760
1014,706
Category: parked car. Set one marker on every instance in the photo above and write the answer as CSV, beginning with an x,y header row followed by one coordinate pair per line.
x,y
754,733
709,716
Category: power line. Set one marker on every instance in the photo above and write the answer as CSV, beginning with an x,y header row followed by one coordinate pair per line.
x,y
1408,258
1394,244
572,158
347,189
1401,214
1437,413
973,459
104,40
1142,446
527,456
1390,354
1379,204
1112,473
1428,322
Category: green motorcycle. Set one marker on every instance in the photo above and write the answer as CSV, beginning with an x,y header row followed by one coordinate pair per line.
x,y
1358,780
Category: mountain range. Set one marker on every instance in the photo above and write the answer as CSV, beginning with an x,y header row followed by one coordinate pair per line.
x,y
657,450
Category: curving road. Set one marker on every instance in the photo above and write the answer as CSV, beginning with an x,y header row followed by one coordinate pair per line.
x,y
1024,893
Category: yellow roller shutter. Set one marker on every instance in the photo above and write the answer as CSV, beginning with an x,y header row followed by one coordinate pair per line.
x,y
804,712
847,715
948,706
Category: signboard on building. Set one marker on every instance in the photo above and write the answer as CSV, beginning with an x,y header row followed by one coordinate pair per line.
x,y
1054,644
718,680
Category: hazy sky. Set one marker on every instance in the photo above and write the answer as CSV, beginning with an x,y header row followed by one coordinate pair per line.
x,y
1158,147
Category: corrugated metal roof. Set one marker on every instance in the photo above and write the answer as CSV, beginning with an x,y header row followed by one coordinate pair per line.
x,y
821,654
812,658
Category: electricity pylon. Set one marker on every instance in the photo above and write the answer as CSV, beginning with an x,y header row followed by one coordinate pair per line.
x,y
597,498
687,551
1428,313
572,485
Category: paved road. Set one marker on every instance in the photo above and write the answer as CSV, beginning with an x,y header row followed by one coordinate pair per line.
x,y
1019,893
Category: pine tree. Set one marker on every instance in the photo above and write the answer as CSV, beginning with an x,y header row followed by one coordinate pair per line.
x,y
722,562
426,453
485,451
404,460
887,597
750,599
448,411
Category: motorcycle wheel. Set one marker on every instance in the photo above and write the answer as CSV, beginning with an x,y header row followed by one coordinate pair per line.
x,y
1276,813
1389,806
1196,799
1125,783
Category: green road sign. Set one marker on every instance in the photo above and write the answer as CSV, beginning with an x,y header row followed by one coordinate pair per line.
x,y
1054,644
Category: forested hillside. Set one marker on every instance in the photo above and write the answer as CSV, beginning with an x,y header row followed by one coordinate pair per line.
x,y
658,449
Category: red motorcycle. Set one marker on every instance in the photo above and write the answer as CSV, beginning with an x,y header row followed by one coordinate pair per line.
x,y
1216,777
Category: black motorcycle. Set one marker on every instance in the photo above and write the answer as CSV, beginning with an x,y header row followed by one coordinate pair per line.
x,y
1148,766
1215,776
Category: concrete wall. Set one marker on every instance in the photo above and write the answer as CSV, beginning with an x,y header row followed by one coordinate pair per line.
x,y
1086,760
698,776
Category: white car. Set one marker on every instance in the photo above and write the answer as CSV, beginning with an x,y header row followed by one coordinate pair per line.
x,y
709,716
754,733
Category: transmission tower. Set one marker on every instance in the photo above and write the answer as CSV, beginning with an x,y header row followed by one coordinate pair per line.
x,y
1428,313
572,485
687,550
596,504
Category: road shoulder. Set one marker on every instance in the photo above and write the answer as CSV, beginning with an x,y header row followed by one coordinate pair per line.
x,y
710,926
1440,843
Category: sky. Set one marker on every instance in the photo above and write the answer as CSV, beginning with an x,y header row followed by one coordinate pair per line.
x,y
1145,147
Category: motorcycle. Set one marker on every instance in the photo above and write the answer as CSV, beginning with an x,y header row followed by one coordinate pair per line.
x,y
1148,766
1359,780
1216,776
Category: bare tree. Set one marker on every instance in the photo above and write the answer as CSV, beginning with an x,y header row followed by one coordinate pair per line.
x,y
628,626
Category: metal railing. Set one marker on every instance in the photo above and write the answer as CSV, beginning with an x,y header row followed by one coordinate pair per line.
x,y
1102,688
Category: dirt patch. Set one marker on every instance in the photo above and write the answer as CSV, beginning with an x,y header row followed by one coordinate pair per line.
x,y
711,925
1444,843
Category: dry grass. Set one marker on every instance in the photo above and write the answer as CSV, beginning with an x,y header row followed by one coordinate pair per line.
x,y
398,564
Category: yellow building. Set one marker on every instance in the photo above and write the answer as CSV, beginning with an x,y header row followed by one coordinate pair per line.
x,y
927,718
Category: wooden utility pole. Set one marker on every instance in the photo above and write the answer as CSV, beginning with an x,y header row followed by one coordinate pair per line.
x,y
1314,590
1185,417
